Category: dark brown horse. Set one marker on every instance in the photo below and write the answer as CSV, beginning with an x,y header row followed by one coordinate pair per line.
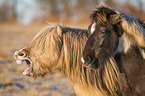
x,y
122,37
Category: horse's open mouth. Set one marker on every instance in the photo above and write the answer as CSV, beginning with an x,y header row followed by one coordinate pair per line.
x,y
21,58
28,69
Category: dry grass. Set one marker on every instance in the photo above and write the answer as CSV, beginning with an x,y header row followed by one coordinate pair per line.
x,y
12,83
14,36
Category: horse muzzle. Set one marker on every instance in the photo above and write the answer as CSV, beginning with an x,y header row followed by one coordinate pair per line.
x,y
20,57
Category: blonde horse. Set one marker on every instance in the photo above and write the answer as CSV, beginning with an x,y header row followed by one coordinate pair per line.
x,y
60,47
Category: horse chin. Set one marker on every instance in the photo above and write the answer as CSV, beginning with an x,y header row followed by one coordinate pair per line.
x,y
28,71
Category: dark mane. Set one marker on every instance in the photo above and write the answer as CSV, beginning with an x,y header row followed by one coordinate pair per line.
x,y
101,12
74,30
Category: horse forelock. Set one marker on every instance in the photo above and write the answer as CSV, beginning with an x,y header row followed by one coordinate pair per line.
x,y
101,13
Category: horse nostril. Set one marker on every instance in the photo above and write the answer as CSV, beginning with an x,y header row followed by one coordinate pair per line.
x,y
16,54
88,59
20,54
82,59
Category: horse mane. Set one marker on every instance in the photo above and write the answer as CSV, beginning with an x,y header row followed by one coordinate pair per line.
x,y
100,14
68,48
133,27
76,72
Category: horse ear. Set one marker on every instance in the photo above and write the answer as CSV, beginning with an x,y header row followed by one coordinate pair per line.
x,y
116,17
59,30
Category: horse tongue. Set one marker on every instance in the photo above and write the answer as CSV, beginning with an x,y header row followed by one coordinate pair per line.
x,y
26,71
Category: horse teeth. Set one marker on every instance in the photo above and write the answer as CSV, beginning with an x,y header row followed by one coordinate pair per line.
x,y
18,61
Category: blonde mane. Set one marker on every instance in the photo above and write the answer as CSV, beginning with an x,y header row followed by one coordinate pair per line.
x,y
59,47
132,28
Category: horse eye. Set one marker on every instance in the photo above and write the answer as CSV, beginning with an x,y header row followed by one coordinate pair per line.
x,y
102,32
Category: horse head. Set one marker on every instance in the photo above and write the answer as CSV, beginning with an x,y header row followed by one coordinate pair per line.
x,y
105,31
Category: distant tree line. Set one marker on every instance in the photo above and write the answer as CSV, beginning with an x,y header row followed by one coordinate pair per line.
x,y
74,10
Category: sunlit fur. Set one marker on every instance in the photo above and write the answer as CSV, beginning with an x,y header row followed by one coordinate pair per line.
x,y
51,49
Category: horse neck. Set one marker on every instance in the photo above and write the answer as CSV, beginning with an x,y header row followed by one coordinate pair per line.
x,y
71,53
131,64
85,80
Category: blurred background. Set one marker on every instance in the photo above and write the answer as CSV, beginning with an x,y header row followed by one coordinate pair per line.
x,y
20,20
